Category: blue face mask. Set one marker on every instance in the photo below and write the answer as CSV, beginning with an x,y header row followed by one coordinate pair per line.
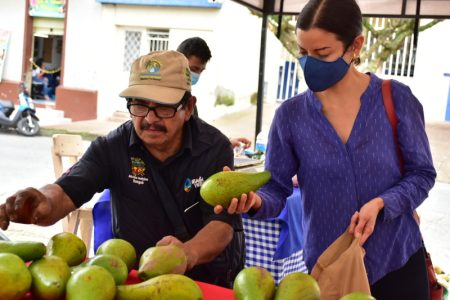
x,y
320,75
194,77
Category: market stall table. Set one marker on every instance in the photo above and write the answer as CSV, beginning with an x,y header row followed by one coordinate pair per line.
x,y
210,291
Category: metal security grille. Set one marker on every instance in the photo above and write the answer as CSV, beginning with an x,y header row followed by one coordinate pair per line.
x,y
401,63
158,40
132,48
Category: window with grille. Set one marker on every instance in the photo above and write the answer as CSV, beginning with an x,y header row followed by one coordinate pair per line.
x,y
158,40
132,48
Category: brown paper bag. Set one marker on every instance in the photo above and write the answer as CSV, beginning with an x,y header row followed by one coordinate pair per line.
x,y
340,269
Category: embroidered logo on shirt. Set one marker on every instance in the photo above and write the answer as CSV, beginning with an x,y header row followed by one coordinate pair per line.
x,y
187,185
138,170
196,182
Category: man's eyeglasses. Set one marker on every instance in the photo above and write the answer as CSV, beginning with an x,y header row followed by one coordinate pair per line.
x,y
161,111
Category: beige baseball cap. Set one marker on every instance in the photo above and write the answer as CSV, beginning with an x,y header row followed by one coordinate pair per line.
x,y
160,76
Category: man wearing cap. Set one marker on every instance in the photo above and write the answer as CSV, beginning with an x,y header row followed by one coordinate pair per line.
x,y
162,154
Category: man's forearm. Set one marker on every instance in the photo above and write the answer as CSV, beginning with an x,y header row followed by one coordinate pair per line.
x,y
209,242
61,204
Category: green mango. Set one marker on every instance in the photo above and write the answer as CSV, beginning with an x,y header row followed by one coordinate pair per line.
x,y
163,287
68,246
254,283
112,264
27,251
357,296
168,259
91,283
298,286
221,187
121,248
50,275
15,278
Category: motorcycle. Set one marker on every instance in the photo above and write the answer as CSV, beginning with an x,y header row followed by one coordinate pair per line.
x,y
24,120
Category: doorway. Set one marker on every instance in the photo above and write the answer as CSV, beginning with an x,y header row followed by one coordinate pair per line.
x,y
45,66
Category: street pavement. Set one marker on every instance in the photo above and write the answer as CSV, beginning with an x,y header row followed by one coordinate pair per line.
x,y
27,162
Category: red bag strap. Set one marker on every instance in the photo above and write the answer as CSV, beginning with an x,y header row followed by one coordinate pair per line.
x,y
390,111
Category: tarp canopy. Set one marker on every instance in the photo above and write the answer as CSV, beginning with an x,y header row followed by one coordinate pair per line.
x,y
385,8
416,9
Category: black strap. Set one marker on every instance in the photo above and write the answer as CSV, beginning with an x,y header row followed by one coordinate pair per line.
x,y
170,206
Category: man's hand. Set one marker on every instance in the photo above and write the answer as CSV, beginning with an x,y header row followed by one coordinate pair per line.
x,y
28,206
363,222
236,142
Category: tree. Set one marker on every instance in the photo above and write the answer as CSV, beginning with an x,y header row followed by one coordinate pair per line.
x,y
386,41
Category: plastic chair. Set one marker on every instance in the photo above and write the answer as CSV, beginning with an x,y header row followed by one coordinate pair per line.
x,y
69,147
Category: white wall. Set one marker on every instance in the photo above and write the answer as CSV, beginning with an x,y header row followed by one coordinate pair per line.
x,y
13,21
83,45
433,60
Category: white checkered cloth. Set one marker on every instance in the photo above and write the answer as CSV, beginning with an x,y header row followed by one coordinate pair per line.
x,y
261,239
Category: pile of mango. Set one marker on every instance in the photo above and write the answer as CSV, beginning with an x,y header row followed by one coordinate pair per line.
x,y
257,283
60,270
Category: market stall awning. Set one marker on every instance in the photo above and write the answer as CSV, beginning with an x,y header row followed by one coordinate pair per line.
x,y
385,8
416,9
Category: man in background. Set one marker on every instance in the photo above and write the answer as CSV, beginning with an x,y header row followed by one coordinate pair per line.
x,y
198,54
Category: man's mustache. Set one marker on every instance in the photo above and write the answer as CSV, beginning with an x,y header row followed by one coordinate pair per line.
x,y
145,125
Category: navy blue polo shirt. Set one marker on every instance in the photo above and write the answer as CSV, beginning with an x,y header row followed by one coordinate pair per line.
x,y
121,163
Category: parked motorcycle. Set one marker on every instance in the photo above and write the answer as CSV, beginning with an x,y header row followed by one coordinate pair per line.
x,y
24,120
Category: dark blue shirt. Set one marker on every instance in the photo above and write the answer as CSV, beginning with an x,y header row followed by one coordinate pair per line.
x,y
337,179
121,163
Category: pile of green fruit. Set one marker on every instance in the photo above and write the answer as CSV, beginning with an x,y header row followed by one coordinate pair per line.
x,y
60,270
257,283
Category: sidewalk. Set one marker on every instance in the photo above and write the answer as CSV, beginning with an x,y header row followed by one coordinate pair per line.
x,y
242,124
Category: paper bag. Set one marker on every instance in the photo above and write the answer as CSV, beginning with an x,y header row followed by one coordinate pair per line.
x,y
340,269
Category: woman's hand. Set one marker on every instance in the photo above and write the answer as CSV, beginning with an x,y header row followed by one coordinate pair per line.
x,y
242,205
363,222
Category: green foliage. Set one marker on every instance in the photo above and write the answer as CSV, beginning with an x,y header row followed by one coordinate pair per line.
x,y
254,98
224,96
387,41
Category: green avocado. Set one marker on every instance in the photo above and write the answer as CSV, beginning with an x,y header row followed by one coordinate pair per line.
x,y
50,275
27,251
15,278
254,283
162,287
91,283
357,296
298,285
113,264
159,260
68,246
221,187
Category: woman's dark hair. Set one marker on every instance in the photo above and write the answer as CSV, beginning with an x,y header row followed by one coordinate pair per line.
x,y
195,46
341,17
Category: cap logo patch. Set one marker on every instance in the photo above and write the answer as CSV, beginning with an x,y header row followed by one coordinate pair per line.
x,y
152,70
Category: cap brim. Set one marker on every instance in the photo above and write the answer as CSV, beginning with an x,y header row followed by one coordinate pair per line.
x,y
154,93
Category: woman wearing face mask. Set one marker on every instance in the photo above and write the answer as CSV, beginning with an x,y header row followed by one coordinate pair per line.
x,y
337,139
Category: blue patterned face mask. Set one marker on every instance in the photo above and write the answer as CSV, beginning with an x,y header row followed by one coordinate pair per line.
x,y
320,75
194,77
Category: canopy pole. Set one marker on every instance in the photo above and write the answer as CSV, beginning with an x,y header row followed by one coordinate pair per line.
x,y
262,59
280,19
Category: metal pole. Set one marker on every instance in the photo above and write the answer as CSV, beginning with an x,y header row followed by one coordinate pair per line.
x,y
416,31
262,59
280,19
